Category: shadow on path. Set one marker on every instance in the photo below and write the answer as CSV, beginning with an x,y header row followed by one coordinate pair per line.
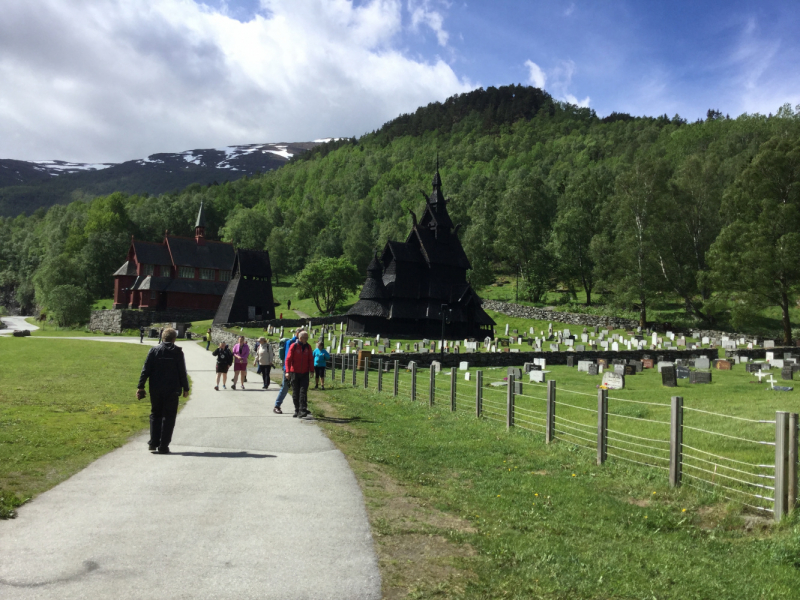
x,y
242,454
342,421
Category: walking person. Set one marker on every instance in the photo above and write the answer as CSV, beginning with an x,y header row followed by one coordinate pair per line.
x,y
288,305
208,338
263,360
165,367
299,366
321,358
284,345
141,334
224,362
241,352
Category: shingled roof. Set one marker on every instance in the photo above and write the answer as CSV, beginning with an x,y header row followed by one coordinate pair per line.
x,y
186,252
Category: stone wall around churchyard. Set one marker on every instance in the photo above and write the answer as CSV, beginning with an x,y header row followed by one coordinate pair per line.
x,y
544,314
118,320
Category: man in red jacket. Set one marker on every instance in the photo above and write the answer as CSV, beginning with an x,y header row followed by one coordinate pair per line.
x,y
299,366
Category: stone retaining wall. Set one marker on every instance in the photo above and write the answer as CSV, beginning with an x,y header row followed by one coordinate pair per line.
x,y
117,320
543,314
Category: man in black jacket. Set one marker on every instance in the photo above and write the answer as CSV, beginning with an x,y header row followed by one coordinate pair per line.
x,y
165,366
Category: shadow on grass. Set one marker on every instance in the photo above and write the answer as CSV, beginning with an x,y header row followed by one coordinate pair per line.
x,y
222,454
342,421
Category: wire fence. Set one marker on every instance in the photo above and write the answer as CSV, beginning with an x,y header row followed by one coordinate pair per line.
x,y
741,459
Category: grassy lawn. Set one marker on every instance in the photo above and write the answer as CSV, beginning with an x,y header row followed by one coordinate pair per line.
x,y
105,303
285,290
63,404
520,519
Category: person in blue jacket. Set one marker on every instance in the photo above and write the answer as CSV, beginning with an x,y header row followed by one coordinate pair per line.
x,y
321,358
283,352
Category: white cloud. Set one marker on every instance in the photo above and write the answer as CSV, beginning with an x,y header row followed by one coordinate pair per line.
x,y
422,13
561,80
536,77
114,80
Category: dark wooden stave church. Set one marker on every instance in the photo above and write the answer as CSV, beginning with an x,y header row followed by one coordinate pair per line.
x,y
408,284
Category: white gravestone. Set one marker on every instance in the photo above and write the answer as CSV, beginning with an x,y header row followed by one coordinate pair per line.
x,y
537,376
613,381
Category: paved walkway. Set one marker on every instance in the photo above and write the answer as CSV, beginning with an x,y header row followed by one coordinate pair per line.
x,y
12,324
249,505
301,314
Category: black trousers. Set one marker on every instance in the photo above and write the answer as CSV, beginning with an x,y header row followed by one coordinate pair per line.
x,y
265,369
163,410
300,392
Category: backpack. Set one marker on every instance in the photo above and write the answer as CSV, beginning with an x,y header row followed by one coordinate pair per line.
x,y
282,352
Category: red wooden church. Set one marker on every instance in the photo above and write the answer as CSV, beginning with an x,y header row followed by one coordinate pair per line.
x,y
179,272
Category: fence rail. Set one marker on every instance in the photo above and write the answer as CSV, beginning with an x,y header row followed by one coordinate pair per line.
x,y
767,483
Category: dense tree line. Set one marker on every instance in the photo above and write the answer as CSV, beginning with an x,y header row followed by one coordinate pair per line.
x,y
628,210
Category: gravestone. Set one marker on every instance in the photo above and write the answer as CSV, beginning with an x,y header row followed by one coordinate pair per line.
x,y
602,362
436,366
778,363
613,381
663,364
604,344
537,376
463,366
619,369
583,366
668,376
466,376
554,347
722,365
647,363
753,367
629,370
637,365
700,377
787,373
515,371
682,372
593,369
615,347
580,348
570,361
769,343
517,387
702,362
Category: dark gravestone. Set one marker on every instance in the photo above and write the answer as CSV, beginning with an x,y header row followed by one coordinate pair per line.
x,y
637,364
629,370
668,378
527,367
700,377
647,363
593,370
795,367
787,373
753,367
618,361
682,372
570,361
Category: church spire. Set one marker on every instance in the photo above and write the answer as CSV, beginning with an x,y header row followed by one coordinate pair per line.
x,y
436,194
200,227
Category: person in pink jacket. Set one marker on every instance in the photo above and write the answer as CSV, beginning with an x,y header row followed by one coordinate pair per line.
x,y
241,351
299,366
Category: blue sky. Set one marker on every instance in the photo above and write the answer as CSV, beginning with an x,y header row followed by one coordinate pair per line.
x,y
109,80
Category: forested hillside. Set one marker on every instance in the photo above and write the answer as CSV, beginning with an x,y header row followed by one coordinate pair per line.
x,y
627,210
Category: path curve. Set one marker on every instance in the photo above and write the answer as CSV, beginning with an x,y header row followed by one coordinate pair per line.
x,y
12,324
250,505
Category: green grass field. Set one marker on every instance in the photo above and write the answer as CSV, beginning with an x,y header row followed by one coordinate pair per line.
x,y
63,404
546,522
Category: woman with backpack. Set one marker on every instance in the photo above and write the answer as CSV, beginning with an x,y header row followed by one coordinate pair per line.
x,y
224,362
321,358
263,360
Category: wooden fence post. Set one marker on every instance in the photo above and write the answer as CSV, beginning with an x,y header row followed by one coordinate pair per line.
x,y
792,493
344,367
453,379
550,428
602,426
354,365
413,381
432,388
366,371
333,368
396,376
781,464
478,393
676,442
380,374
510,403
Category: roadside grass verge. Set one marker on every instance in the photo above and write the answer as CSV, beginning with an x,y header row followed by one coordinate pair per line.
x,y
545,521
63,404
